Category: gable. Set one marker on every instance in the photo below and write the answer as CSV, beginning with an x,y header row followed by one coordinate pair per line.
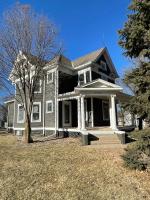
x,y
106,65
101,84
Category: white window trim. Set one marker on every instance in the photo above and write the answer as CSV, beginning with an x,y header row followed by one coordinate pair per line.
x,y
39,120
47,102
84,74
20,121
105,119
50,72
40,91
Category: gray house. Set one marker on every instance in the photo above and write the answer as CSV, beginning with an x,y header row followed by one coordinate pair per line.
x,y
74,96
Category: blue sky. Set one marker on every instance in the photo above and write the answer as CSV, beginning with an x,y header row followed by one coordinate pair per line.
x,y
85,25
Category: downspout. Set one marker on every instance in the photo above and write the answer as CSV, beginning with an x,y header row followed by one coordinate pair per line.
x,y
56,102
44,85
14,111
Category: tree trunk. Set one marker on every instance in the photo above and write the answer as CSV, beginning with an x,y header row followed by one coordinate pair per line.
x,y
27,132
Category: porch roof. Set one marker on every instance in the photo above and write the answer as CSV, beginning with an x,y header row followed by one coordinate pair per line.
x,y
99,85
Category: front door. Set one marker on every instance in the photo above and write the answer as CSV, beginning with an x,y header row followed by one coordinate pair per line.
x,y
67,113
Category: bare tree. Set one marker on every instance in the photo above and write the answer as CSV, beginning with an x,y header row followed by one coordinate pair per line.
x,y
24,33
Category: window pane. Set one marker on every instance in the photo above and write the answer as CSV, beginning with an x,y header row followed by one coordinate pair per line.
x,y
35,108
35,116
36,112
81,79
50,77
49,107
87,76
21,113
37,86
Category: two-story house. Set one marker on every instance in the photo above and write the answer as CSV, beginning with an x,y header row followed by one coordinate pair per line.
x,y
73,96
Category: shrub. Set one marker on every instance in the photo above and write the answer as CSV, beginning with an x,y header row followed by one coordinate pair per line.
x,y
137,155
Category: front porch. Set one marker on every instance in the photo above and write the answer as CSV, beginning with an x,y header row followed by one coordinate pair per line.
x,y
87,113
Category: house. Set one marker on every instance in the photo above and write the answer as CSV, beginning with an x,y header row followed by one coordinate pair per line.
x,y
3,115
74,96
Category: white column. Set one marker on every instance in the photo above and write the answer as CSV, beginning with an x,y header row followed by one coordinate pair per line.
x,y
113,120
82,114
79,113
92,115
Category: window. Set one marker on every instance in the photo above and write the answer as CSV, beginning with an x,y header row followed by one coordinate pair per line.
x,y
84,76
36,112
81,79
49,77
105,107
38,86
49,106
87,76
20,114
103,65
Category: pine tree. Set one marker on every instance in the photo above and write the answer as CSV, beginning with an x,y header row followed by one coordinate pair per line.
x,y
135,40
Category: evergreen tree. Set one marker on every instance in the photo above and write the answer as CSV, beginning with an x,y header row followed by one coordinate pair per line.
x,y
135,40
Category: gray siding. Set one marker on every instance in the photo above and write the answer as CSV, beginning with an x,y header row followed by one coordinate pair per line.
x,y
10,114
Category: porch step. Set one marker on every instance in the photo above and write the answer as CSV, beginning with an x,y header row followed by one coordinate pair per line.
x,y
104,139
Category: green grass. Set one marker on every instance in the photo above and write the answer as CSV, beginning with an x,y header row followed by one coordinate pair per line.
x,y
63,169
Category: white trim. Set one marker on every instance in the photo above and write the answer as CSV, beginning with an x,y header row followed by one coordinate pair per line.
x,y
20,121
39,120
97,89
44,104
40,89
47,102
84,71
105,102
92,112
34,128
9,101
81,66
63,113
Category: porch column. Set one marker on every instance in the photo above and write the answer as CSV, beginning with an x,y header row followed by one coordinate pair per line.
x,y
79,113
113,121
82,114
92,114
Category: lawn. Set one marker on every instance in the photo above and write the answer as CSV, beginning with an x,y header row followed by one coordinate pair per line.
x,y
63,169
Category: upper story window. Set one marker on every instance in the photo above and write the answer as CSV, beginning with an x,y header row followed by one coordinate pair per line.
x,y
49,106
103,65
50,77
85,76
21,114
36,112
38,86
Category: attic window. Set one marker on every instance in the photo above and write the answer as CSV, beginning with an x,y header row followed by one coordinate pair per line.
x,y
103,65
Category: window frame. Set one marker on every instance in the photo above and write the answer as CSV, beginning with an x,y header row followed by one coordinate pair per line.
x,y
47,102
50,72
23,120
84,71
105,119
39,120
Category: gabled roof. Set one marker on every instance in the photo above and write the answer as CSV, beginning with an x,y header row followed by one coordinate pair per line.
x,y
99,84
87,58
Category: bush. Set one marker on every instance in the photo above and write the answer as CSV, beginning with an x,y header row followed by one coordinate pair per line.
x,y
137,154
